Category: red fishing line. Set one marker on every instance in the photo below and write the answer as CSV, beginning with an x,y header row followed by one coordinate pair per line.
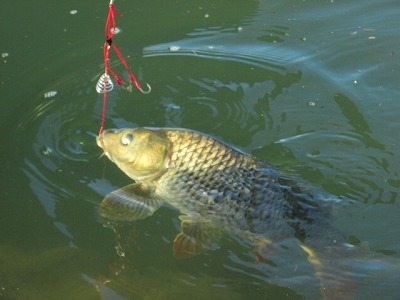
x,y
104,85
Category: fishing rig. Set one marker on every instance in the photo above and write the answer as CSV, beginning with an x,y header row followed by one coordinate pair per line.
x,y
105,83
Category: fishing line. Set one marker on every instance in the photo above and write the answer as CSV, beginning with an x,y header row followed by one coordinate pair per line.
x,y
105,84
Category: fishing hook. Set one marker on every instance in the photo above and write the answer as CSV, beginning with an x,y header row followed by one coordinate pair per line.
x,y
143,91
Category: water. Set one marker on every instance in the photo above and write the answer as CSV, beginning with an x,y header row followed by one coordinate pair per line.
x,y
310,86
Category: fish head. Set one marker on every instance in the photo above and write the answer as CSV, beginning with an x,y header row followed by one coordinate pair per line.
x,y
139,152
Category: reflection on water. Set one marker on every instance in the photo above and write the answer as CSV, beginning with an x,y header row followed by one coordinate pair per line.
x,y
245,74
357,121
240,89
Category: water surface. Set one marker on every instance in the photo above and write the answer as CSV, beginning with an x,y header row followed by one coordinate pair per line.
x,y
310,86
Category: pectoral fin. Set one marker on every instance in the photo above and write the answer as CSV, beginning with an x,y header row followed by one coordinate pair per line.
x,y
198,235
131,203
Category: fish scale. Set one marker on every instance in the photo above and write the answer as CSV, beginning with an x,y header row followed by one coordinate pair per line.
x,y
245,186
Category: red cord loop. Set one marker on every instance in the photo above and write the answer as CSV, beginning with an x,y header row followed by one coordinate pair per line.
x,y
109,31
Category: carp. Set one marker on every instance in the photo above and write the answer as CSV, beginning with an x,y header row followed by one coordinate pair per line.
x,y
217,188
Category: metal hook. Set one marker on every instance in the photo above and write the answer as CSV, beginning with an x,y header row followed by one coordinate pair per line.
x,y
145,92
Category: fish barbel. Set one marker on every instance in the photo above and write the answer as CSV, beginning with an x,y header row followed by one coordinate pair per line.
x,y
213,186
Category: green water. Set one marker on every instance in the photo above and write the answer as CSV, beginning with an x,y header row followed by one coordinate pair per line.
x,y
310,86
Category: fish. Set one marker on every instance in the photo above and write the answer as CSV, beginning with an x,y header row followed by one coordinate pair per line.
x,y
217,187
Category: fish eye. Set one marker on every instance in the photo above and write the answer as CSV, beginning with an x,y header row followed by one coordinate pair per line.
x,y
127,138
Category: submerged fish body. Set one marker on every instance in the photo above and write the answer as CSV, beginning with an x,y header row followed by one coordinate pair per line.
x,y
212,182
214,186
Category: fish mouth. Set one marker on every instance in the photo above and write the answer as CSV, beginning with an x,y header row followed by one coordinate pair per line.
x,y
100,143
